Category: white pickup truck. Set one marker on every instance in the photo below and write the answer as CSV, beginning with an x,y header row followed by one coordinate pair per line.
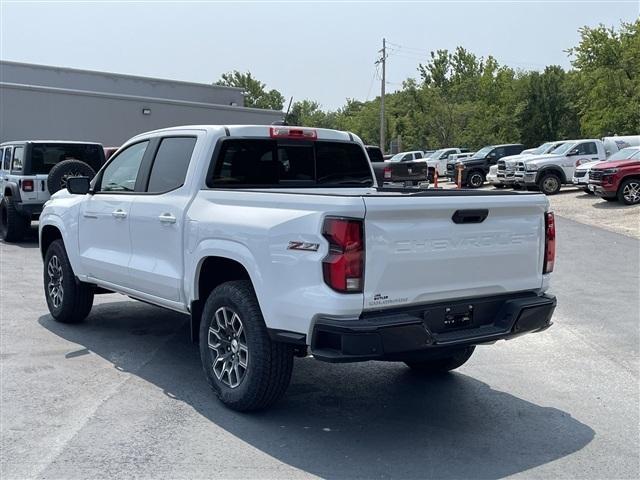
x,y
548,172
277,242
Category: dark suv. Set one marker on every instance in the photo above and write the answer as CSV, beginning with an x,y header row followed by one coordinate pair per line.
x,y
31,171
477,166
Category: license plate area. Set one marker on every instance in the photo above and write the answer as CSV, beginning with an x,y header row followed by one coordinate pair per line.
x,y
456,319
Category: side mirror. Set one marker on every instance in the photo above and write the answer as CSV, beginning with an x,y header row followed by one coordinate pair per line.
x,y
78,185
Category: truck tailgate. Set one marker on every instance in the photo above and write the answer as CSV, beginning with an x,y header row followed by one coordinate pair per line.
x,y
417,253
408,171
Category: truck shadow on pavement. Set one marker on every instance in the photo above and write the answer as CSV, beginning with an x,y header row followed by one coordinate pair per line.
x,y
341,421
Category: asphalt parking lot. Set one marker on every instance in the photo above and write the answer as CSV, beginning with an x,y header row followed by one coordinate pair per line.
x,y
123,395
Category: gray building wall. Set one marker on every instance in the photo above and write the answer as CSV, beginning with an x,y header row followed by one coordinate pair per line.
x,y
86,80
34,111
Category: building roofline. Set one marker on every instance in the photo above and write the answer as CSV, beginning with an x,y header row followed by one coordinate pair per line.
x,y
120,75
69,91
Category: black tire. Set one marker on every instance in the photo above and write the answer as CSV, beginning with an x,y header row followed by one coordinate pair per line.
x,y
76,298
610,199
57,179
549,184
268,364
517,186
475,179
587,191
629,191
498,185
13,226
443,365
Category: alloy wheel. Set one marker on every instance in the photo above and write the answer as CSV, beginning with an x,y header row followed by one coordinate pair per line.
x,y
67,176
476,180
54,286
631,192
228,347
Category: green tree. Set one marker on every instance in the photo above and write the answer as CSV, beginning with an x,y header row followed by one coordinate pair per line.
x,y
256,93
608,80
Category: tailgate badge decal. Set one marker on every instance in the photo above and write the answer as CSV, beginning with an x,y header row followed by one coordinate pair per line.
x,y
305,246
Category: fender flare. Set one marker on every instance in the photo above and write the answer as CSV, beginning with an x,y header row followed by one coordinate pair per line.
x,y
229,249
51,220
551,169
15,191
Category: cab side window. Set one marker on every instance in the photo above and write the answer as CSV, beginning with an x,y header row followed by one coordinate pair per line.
x,y
170,166
587,148
18,154
122,172
7,159
418,155
408,157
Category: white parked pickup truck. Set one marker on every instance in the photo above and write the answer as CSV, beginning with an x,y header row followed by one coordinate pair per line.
x,y
277,242
550,171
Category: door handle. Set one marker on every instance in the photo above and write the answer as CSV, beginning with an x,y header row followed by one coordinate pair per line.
x,y
167,218
119,213
470,216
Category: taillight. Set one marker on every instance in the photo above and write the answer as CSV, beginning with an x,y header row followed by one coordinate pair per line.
x,y
387,172
343,267
293,132
27,185
549,242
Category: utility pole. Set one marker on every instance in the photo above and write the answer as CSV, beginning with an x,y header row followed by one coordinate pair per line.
x,y
382,88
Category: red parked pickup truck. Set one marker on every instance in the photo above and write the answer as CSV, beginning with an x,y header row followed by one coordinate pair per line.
x,y
619,177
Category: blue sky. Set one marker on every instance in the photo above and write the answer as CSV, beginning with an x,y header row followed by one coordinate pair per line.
x,y
323,51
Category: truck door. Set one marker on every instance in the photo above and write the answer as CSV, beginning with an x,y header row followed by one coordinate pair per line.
x,y
103,225
582,153
157,220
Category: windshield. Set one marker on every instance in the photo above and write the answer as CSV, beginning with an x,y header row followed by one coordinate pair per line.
x,y
544,148
625,154
294,163
564,148
483,152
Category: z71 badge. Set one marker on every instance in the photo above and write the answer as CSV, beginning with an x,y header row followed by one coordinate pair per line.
x,y
305,246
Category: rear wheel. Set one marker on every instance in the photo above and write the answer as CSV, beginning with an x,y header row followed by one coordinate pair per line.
x,y
244,367
13,226
549,184
68,299
629,191
442,365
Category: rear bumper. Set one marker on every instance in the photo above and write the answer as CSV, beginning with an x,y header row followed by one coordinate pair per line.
x,y
31,210
404,333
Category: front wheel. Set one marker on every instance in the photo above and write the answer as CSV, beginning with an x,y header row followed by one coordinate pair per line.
x,y
69,300
442,365
475,179
629,191
550,184
244,367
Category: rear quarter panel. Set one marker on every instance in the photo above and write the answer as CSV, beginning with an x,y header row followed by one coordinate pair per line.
x,y
255,228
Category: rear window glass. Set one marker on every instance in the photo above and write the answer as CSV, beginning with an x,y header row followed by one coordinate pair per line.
x,y
45,155
375,154
276,163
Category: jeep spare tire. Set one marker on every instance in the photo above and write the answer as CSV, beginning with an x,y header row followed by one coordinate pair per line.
x,y
57,179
